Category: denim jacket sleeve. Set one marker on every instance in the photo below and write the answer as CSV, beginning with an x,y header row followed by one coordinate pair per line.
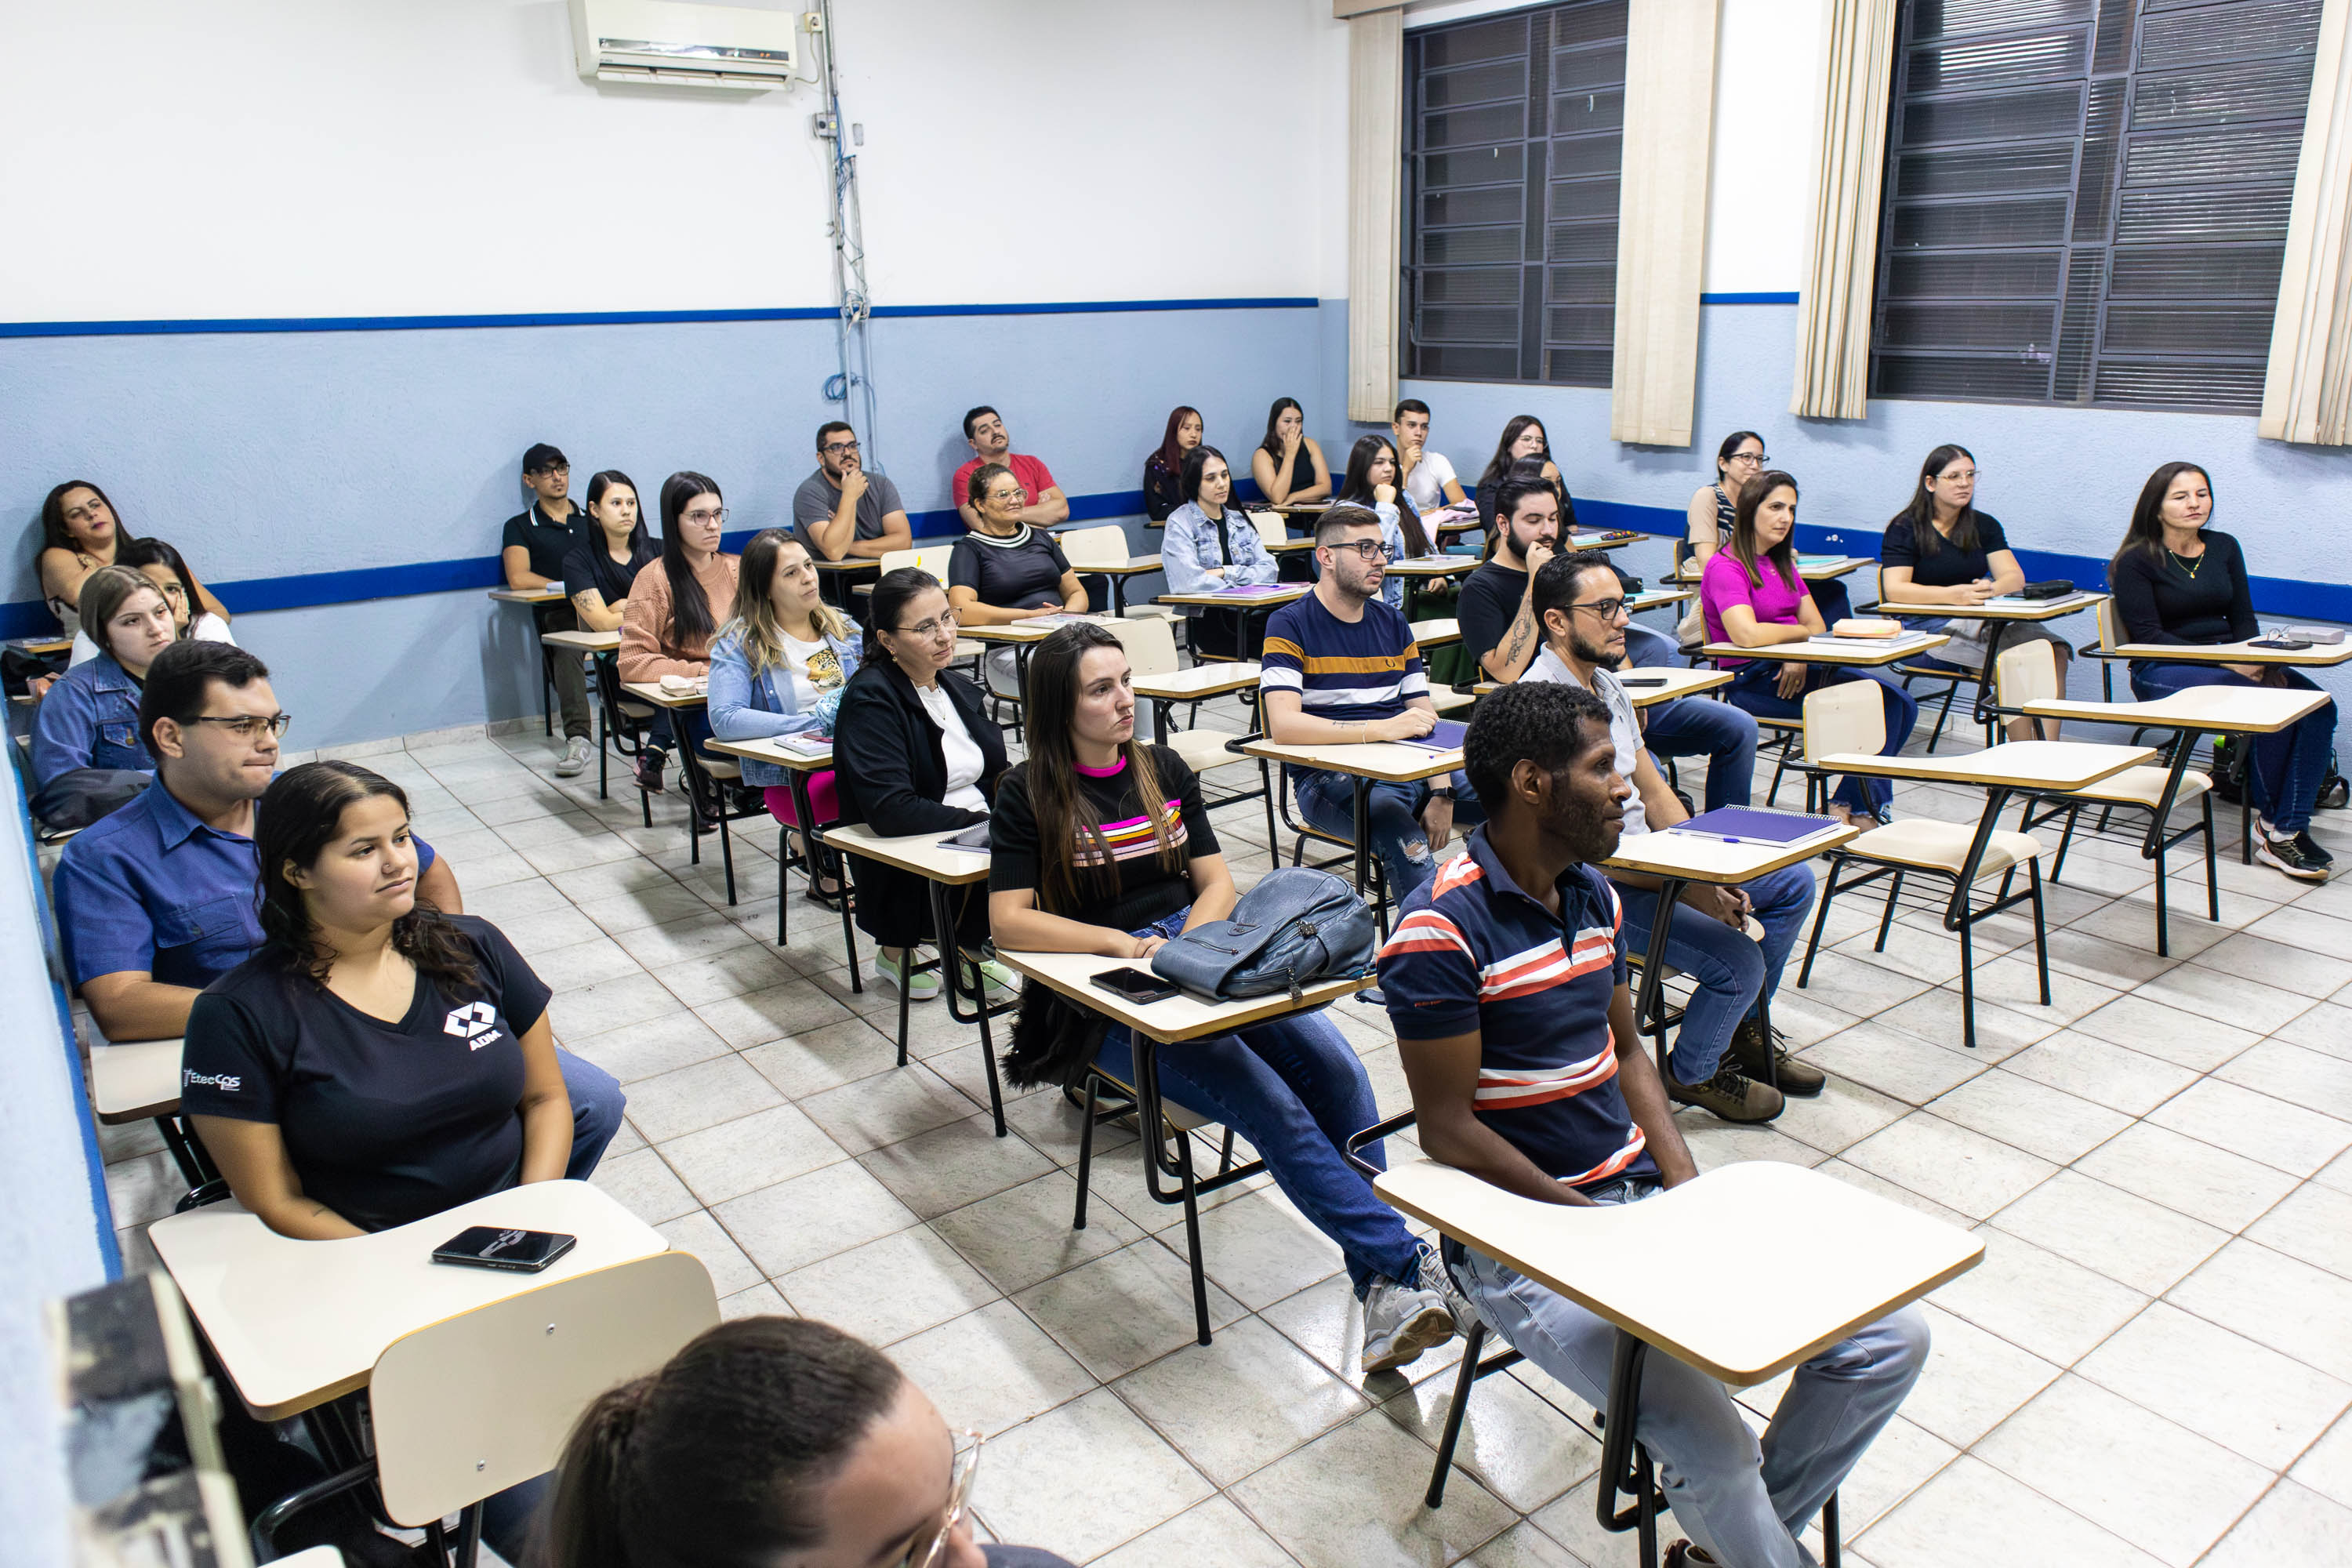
x,y
746,707
1181,554
80,724
1253,562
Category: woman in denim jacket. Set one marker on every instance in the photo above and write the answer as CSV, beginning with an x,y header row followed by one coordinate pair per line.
x,y
89,718
778,668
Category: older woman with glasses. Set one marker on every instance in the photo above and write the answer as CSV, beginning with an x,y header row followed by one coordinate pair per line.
x,y
1005,571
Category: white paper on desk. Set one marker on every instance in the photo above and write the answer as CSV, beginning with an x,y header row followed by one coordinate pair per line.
x,y
2018,602
1867,645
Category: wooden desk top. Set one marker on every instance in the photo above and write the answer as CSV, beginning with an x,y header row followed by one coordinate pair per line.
x,y
2018,764
552,595
2232,709
1180,1017
1852,652
1291,508
1283,593
1436,634
769,750
1680,682
917,852
301,1322
1389,761
858,562
1286,546
1603,539
1697,857
1026,631
1433,566
651,691
586,642
1872,1256
2323,656
1201,680
1812,569
41,645
2000,609
1651,598
135,1080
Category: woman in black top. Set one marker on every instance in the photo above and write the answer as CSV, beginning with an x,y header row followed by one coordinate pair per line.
x,y
913,752
1288,463
608,557
1102,845
1005,571
2177,581
1941,550
1163,471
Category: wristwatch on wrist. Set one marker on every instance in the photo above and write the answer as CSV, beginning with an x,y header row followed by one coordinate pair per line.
x,y
1441,791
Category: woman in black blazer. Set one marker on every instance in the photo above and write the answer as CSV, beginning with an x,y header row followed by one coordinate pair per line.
x,y
914,751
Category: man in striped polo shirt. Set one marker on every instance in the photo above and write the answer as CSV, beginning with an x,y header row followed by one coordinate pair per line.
x,y
1505,982
1341,667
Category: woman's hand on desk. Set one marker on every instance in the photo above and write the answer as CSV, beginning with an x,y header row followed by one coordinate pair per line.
x,y
1975,593
1791,679
1145,946
1039,614
2259,674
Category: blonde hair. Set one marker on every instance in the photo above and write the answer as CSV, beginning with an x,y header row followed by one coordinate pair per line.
x,y
755,625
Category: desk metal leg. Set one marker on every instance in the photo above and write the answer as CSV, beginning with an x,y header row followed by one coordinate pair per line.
x,y
1146,1051
1625,1463
1649,1004
951,971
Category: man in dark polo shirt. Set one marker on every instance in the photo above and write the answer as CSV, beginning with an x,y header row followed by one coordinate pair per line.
x,y
1505,983
532,553
843,511
162,898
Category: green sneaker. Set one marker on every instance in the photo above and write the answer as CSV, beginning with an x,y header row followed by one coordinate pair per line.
x,y
892,972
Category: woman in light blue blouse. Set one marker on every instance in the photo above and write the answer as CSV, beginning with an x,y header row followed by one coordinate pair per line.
x,y
1209,543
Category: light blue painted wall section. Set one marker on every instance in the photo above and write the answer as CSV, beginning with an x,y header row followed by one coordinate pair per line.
x,y
56,1233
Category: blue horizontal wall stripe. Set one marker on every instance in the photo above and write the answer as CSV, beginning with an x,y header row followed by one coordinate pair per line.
x,y
1788,298
2276,597
617,317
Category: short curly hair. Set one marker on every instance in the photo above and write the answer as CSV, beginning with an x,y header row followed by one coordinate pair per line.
x,y
1537,722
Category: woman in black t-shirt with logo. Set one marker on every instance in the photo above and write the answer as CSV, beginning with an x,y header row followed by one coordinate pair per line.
x,y
1102,845
376,1061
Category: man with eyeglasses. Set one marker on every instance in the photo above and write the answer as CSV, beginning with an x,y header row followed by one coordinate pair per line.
x,y
844,512
984,433
531,553
1341,667
1720,1052
161,896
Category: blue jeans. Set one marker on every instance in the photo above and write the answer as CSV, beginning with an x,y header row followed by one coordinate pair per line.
x,y
1293,1087
2286,769
1723,734
1729,969
596,1106
1327,800
1647,649
1744,1503
1752,687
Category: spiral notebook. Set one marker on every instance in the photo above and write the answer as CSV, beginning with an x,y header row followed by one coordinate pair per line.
x,y
1446,737
1752,825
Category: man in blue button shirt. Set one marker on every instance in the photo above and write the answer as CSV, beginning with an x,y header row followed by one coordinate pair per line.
x,y
161,898
1505,983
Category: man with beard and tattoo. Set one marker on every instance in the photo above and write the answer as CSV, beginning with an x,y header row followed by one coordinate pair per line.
x,y
1583,613
1505,983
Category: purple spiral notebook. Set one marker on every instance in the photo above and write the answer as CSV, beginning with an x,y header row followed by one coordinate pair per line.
x,y
1446,737
1750,825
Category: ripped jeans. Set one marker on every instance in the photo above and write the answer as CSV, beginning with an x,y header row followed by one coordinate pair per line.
x,y
1327,800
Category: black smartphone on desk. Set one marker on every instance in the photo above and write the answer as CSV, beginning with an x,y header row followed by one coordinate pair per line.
x,y
1640,682
500,1247
1137,985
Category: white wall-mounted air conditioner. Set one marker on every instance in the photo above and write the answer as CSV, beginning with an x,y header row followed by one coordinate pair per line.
x,y
725,48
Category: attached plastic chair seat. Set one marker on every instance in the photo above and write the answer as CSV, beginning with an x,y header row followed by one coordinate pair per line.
x,y
1943,847
1178,1117
637,711
2145,787
1203,749
1445,700
720,770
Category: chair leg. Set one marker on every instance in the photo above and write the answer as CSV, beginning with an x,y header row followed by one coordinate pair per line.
x,y
848,932
2212,875
727,846
1832,1548
2163,937
1192,1235
2041,933
1886,917
1967,986
1464,1380
1085,1155
784,889
469,1536
2058,866
1821,913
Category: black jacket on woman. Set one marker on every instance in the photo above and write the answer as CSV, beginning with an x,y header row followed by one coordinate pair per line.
x,y
891,771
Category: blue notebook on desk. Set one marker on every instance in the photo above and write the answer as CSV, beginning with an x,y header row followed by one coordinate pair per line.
x,y
1446,737
1751,825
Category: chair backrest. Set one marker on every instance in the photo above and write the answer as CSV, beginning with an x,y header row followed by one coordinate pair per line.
x,y
1270,527
932,558
2025,673
1104,546
1151,645
1846,718
477,1403
2108,632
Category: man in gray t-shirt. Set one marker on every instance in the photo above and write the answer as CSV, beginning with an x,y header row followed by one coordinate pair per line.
x,y
844,512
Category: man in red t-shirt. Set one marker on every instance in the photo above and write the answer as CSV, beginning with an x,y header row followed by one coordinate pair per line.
x,y
990,444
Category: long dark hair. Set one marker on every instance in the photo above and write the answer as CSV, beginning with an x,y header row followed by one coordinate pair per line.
x,y
718,1460
297,816
155,553
1066,819
1272,444
1730,445
1742,543
54,535
890,597
605,480
1196,463
1171,456
975,489
1501,463
691,624
2145,536
1357,486
1921,514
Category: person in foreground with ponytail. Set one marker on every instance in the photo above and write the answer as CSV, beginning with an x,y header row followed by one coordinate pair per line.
x,y
774,1441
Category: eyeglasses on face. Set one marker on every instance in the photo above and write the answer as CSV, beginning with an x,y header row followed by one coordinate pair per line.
x,y
1750,459
1959,476
705,518
562,468
1607,609
1366,549
930,630
1016,495
839,448
928,1551
249,726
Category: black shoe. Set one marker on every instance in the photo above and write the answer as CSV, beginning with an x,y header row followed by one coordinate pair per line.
x,y
2314,853
2289,856
1785,1072
650,762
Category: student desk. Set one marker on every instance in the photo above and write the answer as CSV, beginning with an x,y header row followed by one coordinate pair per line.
x,y
2319,656
1262,603
701,784
1673,681
1378,762
833,577
1811,568
940,868
41,646
1678,859
553,594
1119,572
138,1081
1023,636
1868,1258
298,1323
1436,633
1997,615
799,766
1418,571
1152,1025
1851,652
1196,683
586,642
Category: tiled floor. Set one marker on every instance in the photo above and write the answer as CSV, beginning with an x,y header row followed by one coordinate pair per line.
x,y
2153,1365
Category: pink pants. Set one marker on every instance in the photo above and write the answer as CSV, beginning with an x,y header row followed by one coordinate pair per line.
x,y
822,795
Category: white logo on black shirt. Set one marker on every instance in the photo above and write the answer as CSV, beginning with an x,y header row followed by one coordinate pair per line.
x,y
227,1083
475,1023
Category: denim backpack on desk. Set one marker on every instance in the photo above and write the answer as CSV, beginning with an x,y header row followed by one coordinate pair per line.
x,y
1296,928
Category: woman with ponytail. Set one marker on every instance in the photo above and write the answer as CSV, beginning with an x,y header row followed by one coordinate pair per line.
x,y
770,1443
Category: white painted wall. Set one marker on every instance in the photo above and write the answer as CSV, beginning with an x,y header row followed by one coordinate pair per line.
x,y
351,157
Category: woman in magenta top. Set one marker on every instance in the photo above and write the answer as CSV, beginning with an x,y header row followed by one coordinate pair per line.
x,y
1750,595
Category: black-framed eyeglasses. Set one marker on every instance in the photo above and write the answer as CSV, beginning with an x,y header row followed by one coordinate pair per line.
x,y
562,468
249,726
1607,609
839,448
1753,459
1367,548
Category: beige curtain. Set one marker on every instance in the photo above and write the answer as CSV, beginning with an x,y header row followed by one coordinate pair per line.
x,y
1662,219
1375,170
2307,393
1840,257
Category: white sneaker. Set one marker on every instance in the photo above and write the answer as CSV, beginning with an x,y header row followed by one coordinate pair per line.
x,y
1400,1322
577,752
892,972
